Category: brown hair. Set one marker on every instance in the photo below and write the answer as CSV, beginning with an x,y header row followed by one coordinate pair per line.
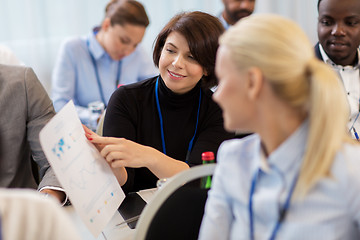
x,y
201,31
126,12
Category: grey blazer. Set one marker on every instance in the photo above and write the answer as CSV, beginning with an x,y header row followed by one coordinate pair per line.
x,y
25,108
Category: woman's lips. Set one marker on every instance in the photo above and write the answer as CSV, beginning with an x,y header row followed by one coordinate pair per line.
x,y
175,76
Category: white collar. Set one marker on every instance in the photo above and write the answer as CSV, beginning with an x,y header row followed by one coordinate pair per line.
x,y
327,60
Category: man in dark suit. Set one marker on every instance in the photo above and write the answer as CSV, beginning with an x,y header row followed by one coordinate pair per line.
x,y
338,46
25,109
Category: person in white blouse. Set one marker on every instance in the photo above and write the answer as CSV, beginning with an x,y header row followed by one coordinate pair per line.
x,y
298,176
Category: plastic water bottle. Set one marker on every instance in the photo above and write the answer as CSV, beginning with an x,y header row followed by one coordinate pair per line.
x,y
207,157
95,109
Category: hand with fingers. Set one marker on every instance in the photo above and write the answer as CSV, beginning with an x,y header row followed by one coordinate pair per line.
x,y
90,135
121,153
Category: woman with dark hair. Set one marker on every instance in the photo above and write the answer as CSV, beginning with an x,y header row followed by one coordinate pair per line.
x,y
160,126
90,68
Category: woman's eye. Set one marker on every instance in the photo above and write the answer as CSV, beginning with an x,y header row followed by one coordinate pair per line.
x,y
169,50
192,58
124,41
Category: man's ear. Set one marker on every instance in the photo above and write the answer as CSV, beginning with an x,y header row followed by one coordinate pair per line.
x,y
255,82
105,24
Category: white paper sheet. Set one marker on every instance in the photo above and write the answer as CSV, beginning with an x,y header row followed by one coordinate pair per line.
x,y
82,171
147,194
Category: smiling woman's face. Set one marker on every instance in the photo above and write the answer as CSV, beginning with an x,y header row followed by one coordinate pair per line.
x,y
179,70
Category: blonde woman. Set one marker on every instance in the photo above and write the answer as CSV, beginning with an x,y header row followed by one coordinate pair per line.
x,y
298,176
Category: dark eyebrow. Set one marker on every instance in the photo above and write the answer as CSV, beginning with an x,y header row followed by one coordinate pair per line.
x,y
324,16
347,17
353,16
169,43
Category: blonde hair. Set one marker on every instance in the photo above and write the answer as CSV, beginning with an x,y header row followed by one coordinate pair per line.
x,y
282,51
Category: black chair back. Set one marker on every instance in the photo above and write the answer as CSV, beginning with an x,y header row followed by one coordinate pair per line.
x,y
180,215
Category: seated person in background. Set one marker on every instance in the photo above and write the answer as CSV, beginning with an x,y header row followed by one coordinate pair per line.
x,y
298,176
25,109
7,56
161,126
90,68
339,39
26,215
234,10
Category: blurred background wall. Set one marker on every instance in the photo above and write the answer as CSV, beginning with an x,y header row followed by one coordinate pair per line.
x,y
34,29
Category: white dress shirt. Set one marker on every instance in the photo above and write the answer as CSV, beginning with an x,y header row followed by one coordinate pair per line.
x,y
350,77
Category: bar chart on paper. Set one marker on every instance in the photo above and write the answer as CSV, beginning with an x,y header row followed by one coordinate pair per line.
x,y
81,170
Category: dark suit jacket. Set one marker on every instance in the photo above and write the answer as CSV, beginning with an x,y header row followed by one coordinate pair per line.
x,y
317,52
25,109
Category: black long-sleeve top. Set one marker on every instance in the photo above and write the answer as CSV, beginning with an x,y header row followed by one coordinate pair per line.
x,y
132,114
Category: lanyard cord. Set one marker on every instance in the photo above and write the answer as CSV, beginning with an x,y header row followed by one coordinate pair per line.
x,y
1,230
160,115
357,116
162,126
283,210
98,76
352,126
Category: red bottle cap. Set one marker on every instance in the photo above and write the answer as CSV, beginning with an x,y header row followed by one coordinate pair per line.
x,y
207,156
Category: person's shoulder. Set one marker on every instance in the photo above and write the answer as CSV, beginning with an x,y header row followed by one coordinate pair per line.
x,y
73,42
351,151
137,88
237,158
74,47
27,210
13,73
140,51
133,93
237,144
207,95
244,147
141,85
346,163
10,68
139,55
7,56
208,92
317,51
